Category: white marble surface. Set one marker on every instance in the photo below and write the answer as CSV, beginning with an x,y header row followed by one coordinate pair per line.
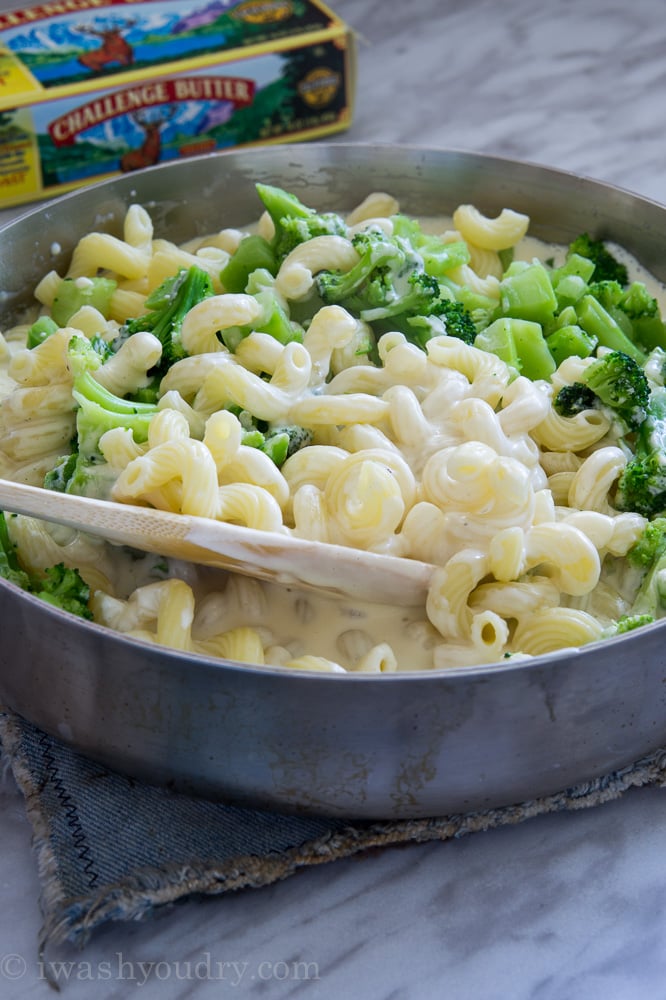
x,y
566,907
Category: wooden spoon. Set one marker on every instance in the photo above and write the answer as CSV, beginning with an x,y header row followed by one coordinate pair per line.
x,y
280,558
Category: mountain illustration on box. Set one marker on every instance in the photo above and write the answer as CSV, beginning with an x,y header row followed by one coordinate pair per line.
x,y
68,48
100,137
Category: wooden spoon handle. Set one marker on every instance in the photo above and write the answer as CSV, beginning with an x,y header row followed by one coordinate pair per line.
x,y
281,558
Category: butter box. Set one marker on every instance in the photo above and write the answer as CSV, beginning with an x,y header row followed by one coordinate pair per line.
x,y
93,88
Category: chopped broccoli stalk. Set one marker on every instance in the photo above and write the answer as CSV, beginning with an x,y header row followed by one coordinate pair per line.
x,y
642,484
521,344
61,586
598,322
294,222
74,293
527,293
168,304
606,266
574,266
573,399
275,319
568,341
570,290
565,317
253,252
39,331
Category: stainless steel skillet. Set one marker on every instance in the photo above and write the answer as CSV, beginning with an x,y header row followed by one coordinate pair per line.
x,y
373,747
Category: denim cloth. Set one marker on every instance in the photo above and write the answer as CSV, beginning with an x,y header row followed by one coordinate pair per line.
x,y
110,848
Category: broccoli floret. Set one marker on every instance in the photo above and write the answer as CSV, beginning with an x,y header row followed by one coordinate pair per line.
x,y
642,310
606,266
64,588
458,320
85,470
390,289
168,305
294,222
438,257
620,383
60,585
573,399
627,623
650,546
642,484
648,556
370,282
420,297
608,292
614,380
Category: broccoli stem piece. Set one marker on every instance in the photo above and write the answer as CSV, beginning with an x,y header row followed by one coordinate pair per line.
x,y
520,343
85,471
40,330
568,341
527,293
253,253
74,293
597,322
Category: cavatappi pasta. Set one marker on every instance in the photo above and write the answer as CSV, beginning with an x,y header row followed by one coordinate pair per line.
x,y
441,454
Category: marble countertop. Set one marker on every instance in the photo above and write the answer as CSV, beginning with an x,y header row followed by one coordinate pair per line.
x,y
563,906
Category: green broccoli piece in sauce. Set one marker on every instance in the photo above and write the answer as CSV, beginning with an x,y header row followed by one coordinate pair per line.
x,y
294,222
168,305
60,585
606,266
615,381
